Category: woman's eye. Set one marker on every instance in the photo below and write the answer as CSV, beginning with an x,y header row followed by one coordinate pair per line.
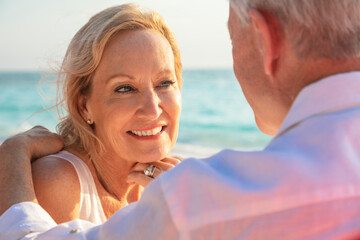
x,y
124,89
166,84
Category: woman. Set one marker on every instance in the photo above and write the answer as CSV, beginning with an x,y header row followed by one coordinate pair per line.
x,y
121,80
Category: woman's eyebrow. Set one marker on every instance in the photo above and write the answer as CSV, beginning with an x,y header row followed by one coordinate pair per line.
x,y
165,72
119,75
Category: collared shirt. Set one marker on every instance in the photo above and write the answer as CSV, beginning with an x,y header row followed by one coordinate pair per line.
x,y
304,185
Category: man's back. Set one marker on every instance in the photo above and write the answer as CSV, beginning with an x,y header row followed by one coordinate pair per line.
x,y
304,185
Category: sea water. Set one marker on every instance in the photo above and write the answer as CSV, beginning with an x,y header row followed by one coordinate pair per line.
x,y
214,115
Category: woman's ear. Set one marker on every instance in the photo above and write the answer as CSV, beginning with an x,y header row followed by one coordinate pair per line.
x,y
85,109
267,27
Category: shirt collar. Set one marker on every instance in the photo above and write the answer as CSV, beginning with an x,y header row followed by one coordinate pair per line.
x,y
332,93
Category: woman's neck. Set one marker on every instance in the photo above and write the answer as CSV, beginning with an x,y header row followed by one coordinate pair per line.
x,y
114,191
110,175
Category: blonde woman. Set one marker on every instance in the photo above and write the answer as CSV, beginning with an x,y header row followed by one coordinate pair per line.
x,y
121,79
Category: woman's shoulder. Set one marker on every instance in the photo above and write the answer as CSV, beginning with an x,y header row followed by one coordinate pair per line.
x,y
55,170
57,187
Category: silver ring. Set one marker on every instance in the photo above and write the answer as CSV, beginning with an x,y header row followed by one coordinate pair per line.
x,y
149,171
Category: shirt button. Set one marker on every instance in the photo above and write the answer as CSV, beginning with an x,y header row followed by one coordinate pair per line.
x,y
75,230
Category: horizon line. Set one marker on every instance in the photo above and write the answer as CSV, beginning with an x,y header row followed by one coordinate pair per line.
x,y
49,70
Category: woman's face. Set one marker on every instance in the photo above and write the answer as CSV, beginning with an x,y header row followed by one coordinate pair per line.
x,y
135,100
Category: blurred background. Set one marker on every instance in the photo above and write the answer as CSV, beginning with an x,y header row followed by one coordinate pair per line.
x,y
34,38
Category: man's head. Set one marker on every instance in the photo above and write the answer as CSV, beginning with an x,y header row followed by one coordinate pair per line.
x,y
280,46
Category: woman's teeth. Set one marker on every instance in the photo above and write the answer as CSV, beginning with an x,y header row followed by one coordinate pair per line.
x,y
147,132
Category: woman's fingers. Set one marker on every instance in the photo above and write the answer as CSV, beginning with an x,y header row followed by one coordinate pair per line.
x,y
159,168
140,176
137,174
140,167
164,166
174,160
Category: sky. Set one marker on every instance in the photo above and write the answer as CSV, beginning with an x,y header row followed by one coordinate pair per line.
x,y
34,34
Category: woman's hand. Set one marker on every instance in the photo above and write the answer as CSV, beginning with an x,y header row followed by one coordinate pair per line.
x,y
137,173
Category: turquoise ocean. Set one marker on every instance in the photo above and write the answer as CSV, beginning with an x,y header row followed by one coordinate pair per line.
x,y
215,114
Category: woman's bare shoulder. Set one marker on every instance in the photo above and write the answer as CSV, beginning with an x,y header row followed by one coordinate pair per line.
x,y
57,188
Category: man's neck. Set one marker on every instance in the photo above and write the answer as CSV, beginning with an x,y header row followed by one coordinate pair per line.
x,y
321,68
298,73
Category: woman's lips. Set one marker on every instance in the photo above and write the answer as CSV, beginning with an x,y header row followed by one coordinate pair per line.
x,y
147,134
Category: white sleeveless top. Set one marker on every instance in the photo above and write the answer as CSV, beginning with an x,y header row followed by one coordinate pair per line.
x,y
90,205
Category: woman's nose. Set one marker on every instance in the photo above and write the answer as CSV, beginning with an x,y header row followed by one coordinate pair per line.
x,y
149,106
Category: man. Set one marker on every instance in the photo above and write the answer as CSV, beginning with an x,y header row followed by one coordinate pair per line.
x,y
297,64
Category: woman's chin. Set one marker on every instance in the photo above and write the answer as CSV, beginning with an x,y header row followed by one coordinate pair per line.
x,y
151,156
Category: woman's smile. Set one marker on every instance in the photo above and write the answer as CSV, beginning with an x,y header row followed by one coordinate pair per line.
x,y
152,134
148,132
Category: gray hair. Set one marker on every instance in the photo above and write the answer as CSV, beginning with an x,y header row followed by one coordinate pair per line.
x,y
317,28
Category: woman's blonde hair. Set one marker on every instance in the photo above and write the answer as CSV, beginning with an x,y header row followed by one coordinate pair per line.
x,y
83,57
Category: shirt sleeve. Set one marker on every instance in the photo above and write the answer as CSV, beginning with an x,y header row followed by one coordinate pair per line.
x,y
23,218
149,218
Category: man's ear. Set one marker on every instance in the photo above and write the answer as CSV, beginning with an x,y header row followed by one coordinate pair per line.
x,y
268,30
